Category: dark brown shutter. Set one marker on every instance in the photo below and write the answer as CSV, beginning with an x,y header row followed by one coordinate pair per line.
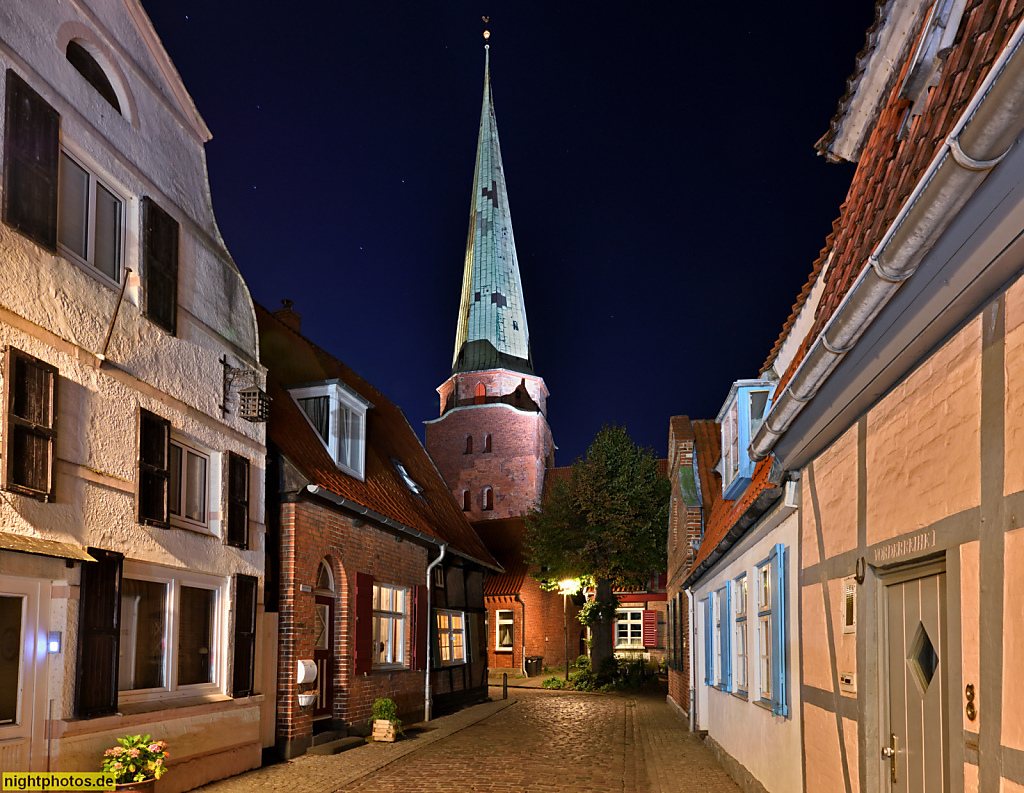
x,y
420,620
364,624
30,437
246,589
650,628
31,163
160,265
99,634
238,501
153,477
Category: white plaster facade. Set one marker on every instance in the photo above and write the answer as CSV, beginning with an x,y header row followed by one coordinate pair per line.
x,y
766,745
59,311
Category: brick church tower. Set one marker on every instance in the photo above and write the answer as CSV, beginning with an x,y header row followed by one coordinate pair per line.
x,y
492,443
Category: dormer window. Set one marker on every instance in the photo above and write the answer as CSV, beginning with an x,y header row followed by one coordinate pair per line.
x,y
338,414
740,417
79,57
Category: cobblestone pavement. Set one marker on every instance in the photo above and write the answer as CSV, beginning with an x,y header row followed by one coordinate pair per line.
x,y
544,741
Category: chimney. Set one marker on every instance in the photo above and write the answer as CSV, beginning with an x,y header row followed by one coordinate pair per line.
x,y
289,316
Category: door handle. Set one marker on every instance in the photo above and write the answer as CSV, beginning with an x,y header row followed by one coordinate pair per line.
x,y
889,752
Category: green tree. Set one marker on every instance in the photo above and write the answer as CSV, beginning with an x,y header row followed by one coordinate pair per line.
x,y
608,521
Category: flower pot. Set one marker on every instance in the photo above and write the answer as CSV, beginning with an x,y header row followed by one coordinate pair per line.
x,y
383,730
146,786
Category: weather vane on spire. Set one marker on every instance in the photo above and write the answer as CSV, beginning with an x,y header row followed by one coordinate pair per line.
x,y
487,33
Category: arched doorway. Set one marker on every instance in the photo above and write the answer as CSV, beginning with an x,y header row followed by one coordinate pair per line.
x,y
323,640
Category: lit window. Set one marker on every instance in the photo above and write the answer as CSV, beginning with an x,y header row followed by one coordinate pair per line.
x,y
741,417
629,629
741,634
451,637
389,610
338,414
169,628
90,220
188,473
505,630
771,623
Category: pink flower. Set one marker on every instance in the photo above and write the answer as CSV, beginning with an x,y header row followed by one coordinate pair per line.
x,y
134,752
159,762
155,747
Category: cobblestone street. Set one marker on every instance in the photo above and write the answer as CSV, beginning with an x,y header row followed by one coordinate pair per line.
x,y
535,741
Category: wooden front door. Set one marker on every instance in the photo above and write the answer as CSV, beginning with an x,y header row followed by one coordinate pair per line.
x,y
323,655
916,755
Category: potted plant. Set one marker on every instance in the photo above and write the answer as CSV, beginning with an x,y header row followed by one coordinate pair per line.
x,y
386,724
137,762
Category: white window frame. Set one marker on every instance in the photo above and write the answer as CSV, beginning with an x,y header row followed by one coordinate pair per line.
x,y
739,425
341,399
499,620
396,654
764,630
446,637
87,263
189,447
741,679
634,616
175,579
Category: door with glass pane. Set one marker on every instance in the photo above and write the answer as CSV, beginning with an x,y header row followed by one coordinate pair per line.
x,y
22,656
915,752
323,654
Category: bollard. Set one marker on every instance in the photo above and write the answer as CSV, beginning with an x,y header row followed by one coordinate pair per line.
x,y
504,685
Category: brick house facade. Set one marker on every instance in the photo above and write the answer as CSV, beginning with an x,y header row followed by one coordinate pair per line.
x,y
356,514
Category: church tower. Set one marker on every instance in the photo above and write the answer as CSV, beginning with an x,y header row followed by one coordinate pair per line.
x,y
492,443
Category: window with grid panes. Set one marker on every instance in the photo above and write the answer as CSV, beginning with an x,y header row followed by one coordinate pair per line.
x,y
390,607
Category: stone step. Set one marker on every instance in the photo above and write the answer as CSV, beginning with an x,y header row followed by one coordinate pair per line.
x,y
335,747
329,735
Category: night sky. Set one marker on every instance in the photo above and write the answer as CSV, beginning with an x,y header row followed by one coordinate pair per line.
x,y
666,198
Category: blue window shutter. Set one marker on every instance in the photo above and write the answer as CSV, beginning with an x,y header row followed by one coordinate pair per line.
x,y
778,574
726,606
709,655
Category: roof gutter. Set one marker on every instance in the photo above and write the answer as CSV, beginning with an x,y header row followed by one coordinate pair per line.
x,y
987,128
354,506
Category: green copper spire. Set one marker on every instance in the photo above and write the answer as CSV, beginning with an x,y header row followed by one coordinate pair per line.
x,y
492,331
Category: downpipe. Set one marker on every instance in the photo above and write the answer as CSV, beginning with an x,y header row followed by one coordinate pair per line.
x,y
427,703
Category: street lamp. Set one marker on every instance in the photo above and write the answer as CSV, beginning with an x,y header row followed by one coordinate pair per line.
x,y
568,586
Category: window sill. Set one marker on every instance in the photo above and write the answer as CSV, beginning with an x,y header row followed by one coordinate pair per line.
x,y
193,527
391,668
741,695
504,649
141,713
766,704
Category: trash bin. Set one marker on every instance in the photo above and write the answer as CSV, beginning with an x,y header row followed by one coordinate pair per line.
x,y
534,665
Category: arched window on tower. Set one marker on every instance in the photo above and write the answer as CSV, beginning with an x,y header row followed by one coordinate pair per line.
x,y
466,501
487,444
488,499
469,444
480,394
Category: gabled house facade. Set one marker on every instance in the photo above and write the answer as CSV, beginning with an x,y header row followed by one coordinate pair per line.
x,y
132,453
377,575
897,416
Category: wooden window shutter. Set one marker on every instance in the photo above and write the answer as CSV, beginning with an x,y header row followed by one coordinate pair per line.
x,y
153,476
31,163
238,501
420,624
364,624
30,436
650,628
246,590
670,625
160,265
99,634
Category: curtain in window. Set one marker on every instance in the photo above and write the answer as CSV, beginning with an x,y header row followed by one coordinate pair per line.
x,y
319,411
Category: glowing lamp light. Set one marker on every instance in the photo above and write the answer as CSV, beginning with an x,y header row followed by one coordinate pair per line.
x,y
487,35
569,586
53,642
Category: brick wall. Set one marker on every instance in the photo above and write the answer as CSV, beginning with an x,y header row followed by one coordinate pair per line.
x,y
521,449
310,533
545,634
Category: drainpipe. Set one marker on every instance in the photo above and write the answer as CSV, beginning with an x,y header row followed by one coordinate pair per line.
x,y
988,127
691,683
430,579
522,659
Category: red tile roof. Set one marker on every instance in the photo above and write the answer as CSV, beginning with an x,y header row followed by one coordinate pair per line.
x,y
707,450
504,538
889,169
292,359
